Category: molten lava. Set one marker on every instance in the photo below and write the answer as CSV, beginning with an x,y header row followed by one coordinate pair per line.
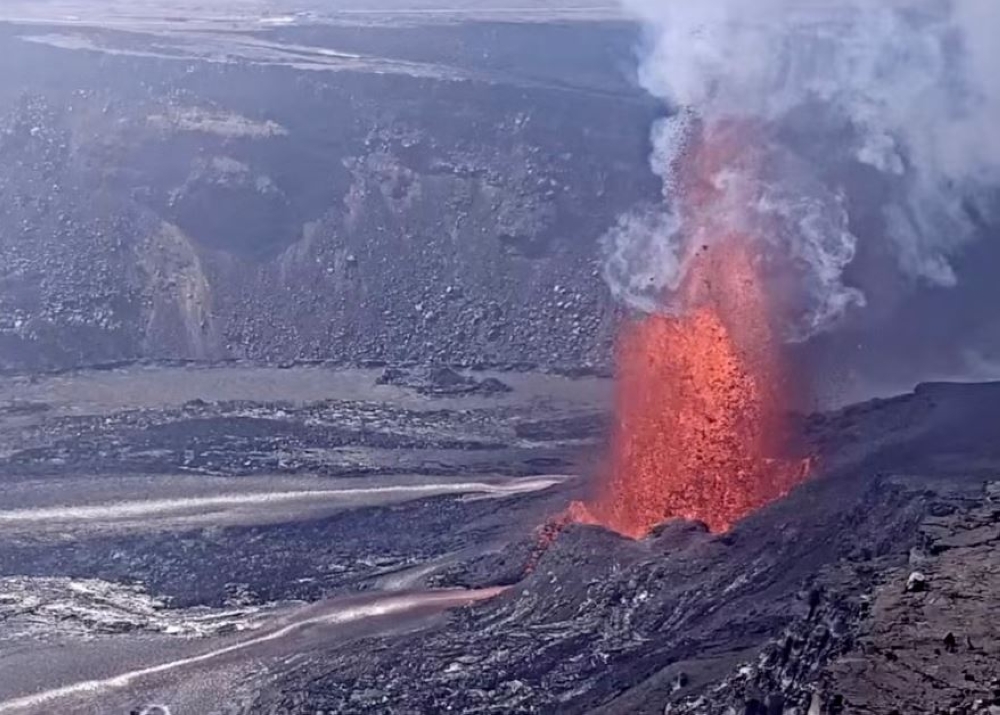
x,y
701,396
700,409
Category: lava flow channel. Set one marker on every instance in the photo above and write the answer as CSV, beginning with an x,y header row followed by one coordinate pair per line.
x,y
702,396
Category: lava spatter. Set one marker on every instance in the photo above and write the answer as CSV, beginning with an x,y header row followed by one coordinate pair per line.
x,y
702,395
700,410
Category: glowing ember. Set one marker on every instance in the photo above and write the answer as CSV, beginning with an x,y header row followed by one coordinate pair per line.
x,y
701,396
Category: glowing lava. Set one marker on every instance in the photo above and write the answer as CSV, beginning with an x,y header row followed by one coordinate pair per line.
x,y
700,408
701,396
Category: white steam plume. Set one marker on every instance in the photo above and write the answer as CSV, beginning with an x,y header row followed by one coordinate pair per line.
x,y
872,120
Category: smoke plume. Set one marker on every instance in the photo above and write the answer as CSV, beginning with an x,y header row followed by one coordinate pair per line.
x,y
844,122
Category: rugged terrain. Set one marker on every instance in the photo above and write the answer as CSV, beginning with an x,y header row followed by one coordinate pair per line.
x,y
872,589
157,514
177,540
304,338
312,190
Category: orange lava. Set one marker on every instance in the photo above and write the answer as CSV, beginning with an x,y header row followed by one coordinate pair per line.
x,y
702,396
700,408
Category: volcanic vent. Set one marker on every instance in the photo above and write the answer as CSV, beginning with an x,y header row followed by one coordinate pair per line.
x,y
702,392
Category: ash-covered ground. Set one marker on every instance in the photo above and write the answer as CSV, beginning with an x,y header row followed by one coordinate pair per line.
x,y
870,589
234,553
154,514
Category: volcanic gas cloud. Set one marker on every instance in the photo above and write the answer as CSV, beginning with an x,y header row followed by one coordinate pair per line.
x,y
702,393
798,133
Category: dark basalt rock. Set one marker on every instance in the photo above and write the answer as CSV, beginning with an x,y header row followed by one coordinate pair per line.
x,y
441,381
802,608
223,210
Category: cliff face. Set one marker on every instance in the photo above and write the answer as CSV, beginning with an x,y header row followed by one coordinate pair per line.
x,y
271,196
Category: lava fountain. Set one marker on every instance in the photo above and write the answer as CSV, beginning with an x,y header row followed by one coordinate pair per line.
x,y
702,393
